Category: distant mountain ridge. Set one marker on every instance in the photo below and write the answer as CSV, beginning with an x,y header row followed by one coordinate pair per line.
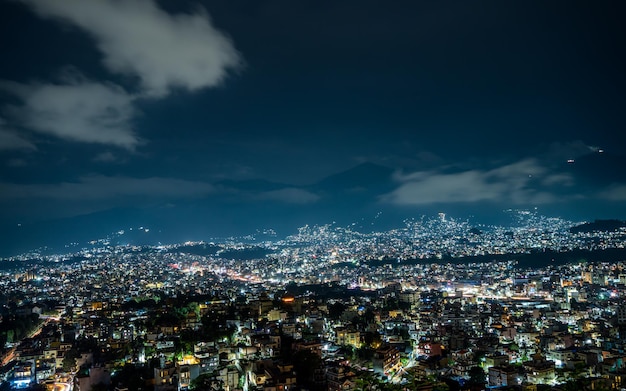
x,y
599,226
363,176
240,208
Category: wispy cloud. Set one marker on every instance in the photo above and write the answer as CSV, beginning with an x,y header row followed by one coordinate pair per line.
x,y
76,110
509,183
290,195
139,39
106,157
17,162
562,151
616,192
11,140
98,187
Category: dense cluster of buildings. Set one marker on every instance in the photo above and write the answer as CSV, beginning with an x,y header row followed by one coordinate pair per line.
x,y
315,314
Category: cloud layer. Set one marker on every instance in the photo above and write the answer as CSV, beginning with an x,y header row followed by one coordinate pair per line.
x,y
79,110
98,187
510,183
290,195
616,192
11,140
139,39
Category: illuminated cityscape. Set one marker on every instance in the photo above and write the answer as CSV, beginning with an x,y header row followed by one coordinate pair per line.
x,y
292,195
326,308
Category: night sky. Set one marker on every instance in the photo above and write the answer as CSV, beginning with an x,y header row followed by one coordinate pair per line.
x,y
207,113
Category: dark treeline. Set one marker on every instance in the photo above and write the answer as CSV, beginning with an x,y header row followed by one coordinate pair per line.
x,y
533,260
14,328
196,249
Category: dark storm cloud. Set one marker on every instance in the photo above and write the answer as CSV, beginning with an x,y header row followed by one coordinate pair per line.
x,y
139,39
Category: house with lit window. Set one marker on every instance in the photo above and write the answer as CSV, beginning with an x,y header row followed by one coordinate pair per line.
x,y
386,360
504,376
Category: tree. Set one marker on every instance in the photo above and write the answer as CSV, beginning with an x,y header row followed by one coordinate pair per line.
x,y
579,370
477,376
365,353
206,382
69,361
363,383
391,304
194,307
131,377
305,362
335,310
214,327
372,339
188,338
441,386
349,351
479,355
99,387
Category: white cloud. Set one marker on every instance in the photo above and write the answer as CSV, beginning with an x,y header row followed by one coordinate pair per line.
x,y
79,110
614,193
508,183
558,180
10,139
290,195
100,187
139,39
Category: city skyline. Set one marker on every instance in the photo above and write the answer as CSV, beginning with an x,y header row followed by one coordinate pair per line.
x,y
328,309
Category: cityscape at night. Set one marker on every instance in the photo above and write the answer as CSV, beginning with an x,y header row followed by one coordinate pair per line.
x,y
437,304
294,195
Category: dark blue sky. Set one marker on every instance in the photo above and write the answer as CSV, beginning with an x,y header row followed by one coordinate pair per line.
x,y
125,104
